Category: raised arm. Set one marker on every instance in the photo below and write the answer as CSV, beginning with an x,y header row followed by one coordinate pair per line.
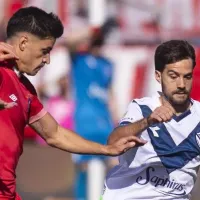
x,y
75,39
57,136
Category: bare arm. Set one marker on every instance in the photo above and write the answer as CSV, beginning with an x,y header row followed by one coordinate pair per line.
x,y
67,140
74,39
128,130
163,113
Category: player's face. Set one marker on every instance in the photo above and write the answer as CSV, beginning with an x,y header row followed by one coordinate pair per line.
x,y
34,53
176,81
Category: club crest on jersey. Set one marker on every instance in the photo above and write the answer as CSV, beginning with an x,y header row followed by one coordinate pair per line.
x,y
13,97
198,138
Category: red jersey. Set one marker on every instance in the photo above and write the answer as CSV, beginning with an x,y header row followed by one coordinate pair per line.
x,y
12,122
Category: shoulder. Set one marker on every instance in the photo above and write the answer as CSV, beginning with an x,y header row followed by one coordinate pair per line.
x,y
196,106
6,71
28,85
136,104
79,55
132,114
148,101
106,61
147,104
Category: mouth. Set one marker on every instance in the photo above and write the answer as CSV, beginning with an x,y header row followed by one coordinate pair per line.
x,y
39,67
181,94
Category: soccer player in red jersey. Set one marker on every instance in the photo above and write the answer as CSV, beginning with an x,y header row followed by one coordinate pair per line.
x,y
32,33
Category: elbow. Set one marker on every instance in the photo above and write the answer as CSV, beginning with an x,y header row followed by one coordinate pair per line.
x,y
116,133
53,138
110,139
53,141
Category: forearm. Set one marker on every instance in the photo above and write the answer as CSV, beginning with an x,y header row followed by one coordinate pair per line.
x,y
132,129
71,142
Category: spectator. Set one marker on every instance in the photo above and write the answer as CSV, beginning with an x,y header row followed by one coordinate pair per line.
x,y
91,76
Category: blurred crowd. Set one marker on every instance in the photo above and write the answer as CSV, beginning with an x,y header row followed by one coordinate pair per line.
x,y
81,87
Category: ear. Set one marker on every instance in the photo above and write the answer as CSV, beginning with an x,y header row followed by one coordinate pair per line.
x,y
23,42
158,76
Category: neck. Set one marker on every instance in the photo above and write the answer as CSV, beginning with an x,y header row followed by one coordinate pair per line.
x,y
181,108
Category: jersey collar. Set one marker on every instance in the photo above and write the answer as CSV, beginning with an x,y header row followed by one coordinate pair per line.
x,y
19,74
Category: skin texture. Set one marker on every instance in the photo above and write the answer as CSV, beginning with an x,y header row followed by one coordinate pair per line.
x,y
33,52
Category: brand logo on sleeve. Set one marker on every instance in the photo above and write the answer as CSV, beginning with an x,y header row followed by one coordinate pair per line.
x,y
13,97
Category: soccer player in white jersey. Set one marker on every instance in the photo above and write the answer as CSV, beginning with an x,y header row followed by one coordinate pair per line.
x,y
166,166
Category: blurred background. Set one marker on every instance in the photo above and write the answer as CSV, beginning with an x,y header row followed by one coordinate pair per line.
x,y
115,39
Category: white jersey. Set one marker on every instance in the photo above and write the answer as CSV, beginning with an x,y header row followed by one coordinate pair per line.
x,y
164,168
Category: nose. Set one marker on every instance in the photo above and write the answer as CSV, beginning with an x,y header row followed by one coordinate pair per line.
x,y
181,83
46,59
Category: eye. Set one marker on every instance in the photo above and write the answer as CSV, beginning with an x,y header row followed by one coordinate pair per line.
x,y
45,52
188,77
172,76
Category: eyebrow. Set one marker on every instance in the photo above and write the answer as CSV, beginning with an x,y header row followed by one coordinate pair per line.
x,y
172,71
48,49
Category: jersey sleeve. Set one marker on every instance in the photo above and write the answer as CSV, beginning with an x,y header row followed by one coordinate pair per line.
x,y
132,114
36,110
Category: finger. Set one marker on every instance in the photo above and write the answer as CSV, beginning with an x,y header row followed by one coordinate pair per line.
x,y
171,109
157,117
8,49
166,113
7,57
129,139
6,46
170,113
163,116
10,105
2,106
133,139
128,146
139,140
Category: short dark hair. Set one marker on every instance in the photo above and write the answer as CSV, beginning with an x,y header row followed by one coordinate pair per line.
x,y
35,21
173,51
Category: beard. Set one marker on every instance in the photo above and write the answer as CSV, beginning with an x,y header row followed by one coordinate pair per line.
x,y
178,97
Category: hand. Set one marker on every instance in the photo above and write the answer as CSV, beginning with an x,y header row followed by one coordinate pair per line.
x,y
7,52
4,105
163,113
121,145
